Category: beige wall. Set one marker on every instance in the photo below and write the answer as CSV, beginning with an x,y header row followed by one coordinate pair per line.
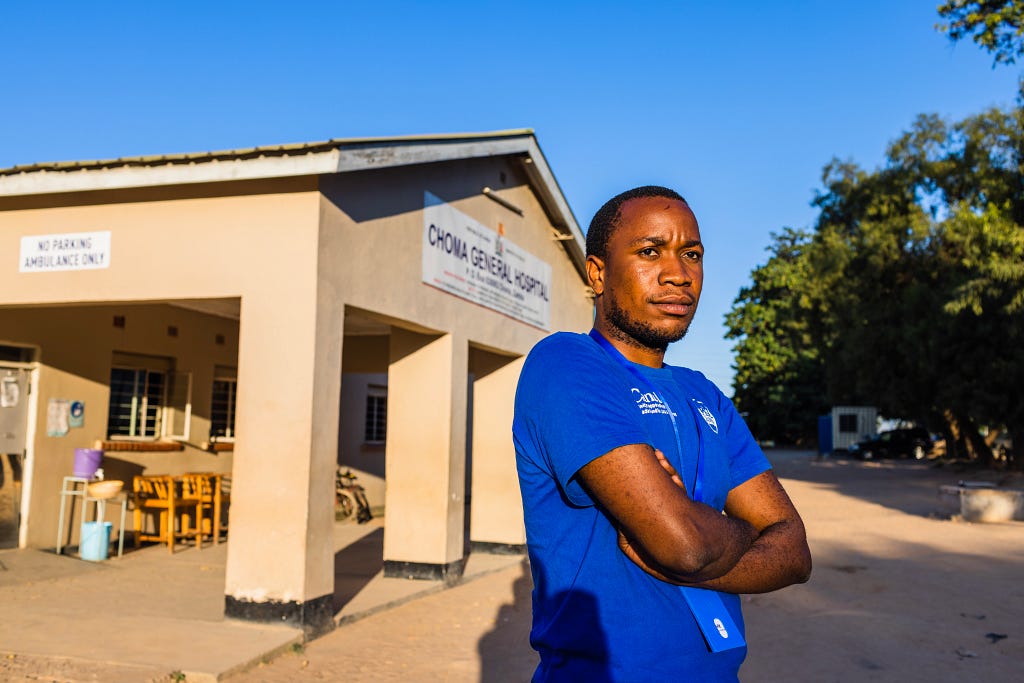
x,y
378,216
252,241
75,348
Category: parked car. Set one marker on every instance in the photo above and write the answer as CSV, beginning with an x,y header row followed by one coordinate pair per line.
x,y
914,442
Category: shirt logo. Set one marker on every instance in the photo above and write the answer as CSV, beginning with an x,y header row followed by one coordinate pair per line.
x,y
708,416
649,403
721,628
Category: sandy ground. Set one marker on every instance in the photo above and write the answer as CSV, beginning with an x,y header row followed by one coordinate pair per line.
x,y
899,593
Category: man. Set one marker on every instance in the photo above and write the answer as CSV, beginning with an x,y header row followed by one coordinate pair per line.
x,y
626,466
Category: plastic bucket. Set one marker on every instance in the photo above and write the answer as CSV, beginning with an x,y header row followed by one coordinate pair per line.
x,y
95,541
87,461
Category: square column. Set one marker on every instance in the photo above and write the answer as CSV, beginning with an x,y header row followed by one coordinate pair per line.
x,y
496,506
425,457
280,563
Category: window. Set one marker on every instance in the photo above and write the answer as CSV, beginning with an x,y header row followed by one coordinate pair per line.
x,y
15,354
148,399
376,414
222,405
178,411
848,423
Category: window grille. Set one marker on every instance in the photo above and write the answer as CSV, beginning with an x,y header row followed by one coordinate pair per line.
x,y
376,414
148,399
222,408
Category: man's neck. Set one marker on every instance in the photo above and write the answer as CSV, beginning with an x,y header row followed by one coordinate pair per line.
x,y
633,350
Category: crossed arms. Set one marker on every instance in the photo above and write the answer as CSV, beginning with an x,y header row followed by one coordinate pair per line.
x,y
759,545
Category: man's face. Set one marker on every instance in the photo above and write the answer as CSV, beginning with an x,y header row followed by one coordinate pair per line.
x,y
650,279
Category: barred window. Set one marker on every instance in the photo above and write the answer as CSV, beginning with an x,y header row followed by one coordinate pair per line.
x,y
147,398
376,414
222,408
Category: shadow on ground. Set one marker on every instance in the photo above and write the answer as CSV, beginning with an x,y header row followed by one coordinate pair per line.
x,y
909,486
898,592
503,649
355,565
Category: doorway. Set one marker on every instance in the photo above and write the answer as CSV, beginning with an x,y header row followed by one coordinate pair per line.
x,y
14,403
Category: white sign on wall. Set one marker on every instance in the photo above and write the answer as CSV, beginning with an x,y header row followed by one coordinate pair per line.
x,y
463,257
67,251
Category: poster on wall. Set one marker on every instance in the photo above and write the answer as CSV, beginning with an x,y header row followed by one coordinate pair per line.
x,y
463,257
76,414
58,412
10,392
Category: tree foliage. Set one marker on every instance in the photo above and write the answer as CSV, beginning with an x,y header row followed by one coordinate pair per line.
x,y
908,293
995,25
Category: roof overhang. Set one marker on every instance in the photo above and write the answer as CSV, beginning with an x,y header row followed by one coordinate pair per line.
x,y
341,155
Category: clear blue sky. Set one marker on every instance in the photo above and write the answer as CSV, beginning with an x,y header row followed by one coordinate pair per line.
x,y
737,105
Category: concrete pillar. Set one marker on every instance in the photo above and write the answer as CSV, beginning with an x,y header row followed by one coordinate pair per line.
x,y
280,564
496,517
425,457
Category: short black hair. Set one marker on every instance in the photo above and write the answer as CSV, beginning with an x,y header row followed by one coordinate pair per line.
x,y
607,217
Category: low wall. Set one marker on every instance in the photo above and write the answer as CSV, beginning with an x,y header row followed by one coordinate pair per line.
x,y
982,502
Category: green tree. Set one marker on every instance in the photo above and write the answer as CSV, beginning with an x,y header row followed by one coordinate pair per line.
x,y
981,260
908,294
995,25
778,362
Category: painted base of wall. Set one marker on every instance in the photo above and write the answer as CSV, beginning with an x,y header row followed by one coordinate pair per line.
x,y
491,548
425,571
315,617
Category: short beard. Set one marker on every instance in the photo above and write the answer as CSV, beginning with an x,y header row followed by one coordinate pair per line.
x,y
637,333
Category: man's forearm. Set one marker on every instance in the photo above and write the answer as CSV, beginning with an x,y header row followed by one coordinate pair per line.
x,y
778,558
777,555
725,541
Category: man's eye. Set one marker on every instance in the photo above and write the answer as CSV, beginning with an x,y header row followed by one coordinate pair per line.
x,y
649,251
694,255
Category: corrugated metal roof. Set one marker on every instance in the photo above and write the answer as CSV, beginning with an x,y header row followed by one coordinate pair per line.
x,y
293,149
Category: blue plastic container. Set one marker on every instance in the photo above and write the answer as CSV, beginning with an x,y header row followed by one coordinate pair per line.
x,y
95,541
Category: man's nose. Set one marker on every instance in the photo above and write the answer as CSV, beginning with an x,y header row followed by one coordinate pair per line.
x,y
677,271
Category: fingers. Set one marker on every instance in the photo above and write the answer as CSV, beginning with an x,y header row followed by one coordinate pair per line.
x,y
667,466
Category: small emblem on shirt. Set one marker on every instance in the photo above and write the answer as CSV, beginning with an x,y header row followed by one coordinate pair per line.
x,y
708,416
649,403
721,628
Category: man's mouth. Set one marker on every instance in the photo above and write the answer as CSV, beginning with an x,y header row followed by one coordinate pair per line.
x,y
675,305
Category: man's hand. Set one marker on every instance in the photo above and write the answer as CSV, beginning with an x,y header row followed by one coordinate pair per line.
x,y
779,557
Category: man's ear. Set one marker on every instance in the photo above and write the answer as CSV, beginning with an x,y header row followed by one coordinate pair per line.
x,y
595,274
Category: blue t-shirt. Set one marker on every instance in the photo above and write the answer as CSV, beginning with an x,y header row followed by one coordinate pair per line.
x,y
596,615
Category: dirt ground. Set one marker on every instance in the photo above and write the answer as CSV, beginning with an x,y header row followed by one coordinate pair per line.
x,y
899,593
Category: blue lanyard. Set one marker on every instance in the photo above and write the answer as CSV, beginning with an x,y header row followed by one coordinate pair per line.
x,y
698,478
